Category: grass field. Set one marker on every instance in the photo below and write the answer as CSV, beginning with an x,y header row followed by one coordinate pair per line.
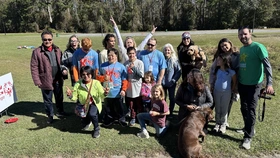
x,y
32,137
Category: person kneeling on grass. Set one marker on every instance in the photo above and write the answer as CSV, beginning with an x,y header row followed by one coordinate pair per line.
x,y
89,93
157,115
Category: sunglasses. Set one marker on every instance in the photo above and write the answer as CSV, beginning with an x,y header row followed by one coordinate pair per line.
x,y
73,41
149,44
87,74
45,39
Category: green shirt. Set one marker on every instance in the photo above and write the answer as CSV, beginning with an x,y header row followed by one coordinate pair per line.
x,y
97,92
251,71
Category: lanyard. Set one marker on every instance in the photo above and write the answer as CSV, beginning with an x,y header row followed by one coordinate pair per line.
x,y
151,58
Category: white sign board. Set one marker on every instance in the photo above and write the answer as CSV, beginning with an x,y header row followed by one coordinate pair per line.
x,y
7,91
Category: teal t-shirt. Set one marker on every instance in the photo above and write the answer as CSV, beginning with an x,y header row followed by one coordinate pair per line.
x,y
251,67
117,73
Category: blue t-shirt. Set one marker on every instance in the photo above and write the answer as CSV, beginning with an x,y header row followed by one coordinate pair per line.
x,y
153,61
80,59
223,80
117,73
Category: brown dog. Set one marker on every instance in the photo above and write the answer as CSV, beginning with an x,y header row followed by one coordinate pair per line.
x,y
198,56
190,131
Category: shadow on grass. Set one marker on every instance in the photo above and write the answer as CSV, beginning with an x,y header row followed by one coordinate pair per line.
x,y
224,136
70,123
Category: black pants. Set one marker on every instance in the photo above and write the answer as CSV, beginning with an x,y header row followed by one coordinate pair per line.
x,y
114,109
58,96
249,101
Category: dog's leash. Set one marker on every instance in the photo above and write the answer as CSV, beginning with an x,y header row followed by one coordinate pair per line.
x,y
261,113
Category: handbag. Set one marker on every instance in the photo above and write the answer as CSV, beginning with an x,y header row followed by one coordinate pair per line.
x,y
81,110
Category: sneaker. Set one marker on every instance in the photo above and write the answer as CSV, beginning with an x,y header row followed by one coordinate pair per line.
x,y
246,143
123,123
241,131
223,129
216,128
50,120
132,122
143,134
95,134
87,126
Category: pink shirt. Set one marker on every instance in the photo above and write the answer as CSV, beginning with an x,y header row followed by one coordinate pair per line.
x,y
146,91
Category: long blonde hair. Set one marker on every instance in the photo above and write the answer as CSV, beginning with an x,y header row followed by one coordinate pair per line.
x,y
133,40
173,57
160,88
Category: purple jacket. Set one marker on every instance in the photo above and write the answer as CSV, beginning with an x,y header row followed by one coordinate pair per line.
x,y
41,69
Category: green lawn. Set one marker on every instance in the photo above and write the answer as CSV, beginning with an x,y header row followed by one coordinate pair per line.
x,y
32,137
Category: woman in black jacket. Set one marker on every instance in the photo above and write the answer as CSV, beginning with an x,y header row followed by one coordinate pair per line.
x,y
183,57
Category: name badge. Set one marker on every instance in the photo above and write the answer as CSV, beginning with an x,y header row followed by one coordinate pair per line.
x,y
151,68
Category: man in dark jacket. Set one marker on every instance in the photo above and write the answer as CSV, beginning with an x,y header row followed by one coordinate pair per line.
x,y
47,73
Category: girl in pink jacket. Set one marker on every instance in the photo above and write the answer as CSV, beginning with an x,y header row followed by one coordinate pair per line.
x,y
147,84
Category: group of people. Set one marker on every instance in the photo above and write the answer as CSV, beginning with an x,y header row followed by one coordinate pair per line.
x,y
138,80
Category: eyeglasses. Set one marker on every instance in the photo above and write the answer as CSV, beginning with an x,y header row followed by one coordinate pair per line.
x,y
73,41
185,39
87,74
47,39
149,44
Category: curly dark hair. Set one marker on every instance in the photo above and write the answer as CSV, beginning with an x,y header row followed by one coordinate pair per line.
x,y
198,81
106,39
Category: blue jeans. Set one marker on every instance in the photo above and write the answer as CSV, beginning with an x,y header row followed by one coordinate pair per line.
x,y
142,117
92,116
171,96
58,96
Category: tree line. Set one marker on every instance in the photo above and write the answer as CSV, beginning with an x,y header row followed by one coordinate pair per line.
x,y
89,16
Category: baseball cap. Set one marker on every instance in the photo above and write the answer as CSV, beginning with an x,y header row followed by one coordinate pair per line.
x,y
186,35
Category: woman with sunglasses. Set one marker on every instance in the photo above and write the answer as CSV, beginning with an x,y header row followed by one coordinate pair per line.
x,y
88,90
72,45
184,58
84,56
130,41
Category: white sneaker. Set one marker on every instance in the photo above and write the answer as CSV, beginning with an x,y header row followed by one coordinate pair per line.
x,y
143,134
223,128
246,143
216,128
87,127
